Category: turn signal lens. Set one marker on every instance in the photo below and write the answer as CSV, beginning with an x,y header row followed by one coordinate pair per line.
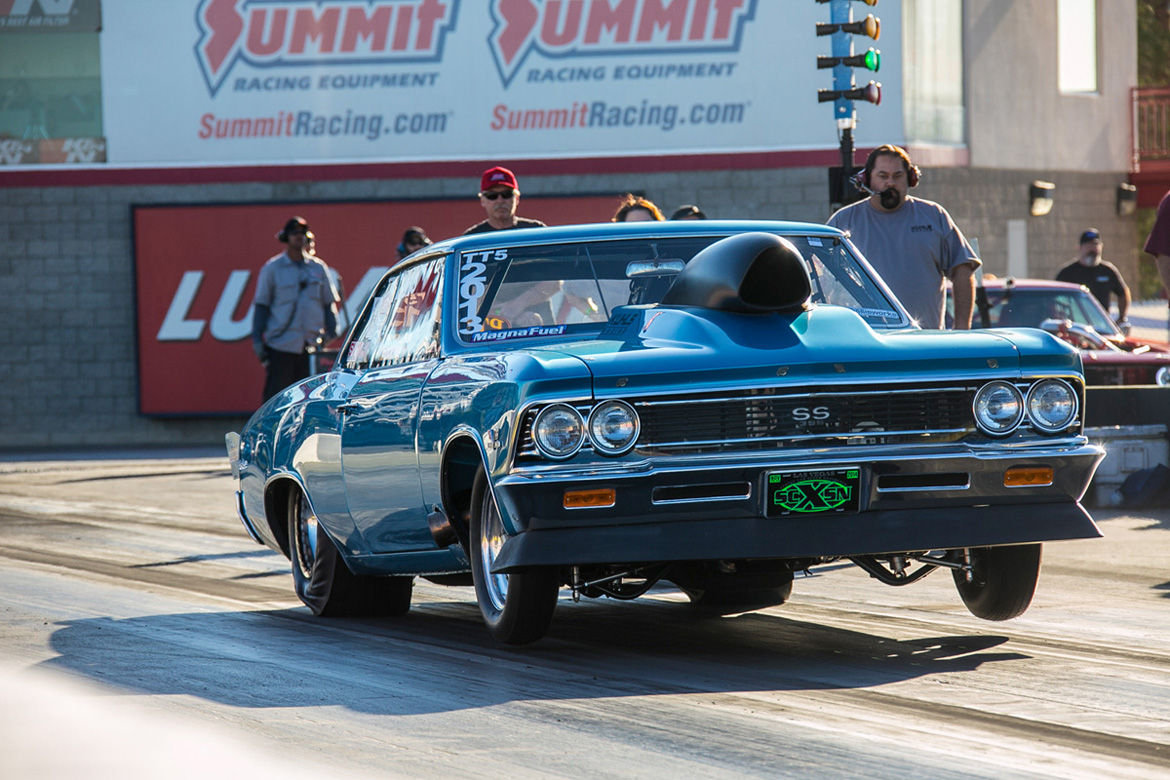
x,y
585,499
1028,476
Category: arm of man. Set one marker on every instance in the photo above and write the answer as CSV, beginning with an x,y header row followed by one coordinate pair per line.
x,y
963,290
1123,298
330,322
260,315
1163,263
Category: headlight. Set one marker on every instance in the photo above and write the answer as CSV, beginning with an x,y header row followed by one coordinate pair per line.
x,y
559,431
1052,405
998,408
613,427
1163,376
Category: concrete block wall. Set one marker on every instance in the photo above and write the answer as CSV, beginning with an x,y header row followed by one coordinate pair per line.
x,y
69,371
983,201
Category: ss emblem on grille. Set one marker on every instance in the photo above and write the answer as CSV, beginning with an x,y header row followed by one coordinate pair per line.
x,y
805,413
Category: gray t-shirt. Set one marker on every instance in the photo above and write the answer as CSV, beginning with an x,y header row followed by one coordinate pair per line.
x,y
914,248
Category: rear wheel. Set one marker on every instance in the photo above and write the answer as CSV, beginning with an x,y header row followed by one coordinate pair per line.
x,y
517,608
323,581
1003,580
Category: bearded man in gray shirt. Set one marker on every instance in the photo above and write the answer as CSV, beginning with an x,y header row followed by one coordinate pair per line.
x,y
912,243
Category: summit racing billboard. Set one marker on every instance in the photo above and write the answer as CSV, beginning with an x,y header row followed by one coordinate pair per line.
x,y
313,81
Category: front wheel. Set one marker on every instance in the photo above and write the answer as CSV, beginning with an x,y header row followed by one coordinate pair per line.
x,y
322,580
518,607
1002,580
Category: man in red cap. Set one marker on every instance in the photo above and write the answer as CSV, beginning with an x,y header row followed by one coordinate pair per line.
x,y
500,195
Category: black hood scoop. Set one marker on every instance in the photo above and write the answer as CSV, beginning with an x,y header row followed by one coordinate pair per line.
x,y
752,273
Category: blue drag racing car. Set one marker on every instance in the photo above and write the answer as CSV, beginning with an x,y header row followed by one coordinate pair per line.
x,y
716,405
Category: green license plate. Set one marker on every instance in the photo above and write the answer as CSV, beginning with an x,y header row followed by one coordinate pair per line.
x,y
814,492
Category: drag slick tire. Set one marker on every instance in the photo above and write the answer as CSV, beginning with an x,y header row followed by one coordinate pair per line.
x,y
518,607
322,580
1003,580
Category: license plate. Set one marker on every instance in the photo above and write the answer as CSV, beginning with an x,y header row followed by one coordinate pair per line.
x,y
814,492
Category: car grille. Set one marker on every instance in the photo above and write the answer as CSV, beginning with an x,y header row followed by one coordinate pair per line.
x,y
770,418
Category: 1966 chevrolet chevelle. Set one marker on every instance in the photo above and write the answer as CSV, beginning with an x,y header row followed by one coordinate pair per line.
x,y
715,405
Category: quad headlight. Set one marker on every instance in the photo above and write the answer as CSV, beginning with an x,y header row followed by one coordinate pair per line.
x,y
558,431
1052,405
999,408
613,427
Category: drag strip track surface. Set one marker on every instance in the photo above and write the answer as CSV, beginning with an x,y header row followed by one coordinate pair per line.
x,y
134,580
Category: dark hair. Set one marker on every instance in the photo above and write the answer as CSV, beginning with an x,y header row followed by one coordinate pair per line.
x,y
294,225
413,235
630,202
913,174
688,211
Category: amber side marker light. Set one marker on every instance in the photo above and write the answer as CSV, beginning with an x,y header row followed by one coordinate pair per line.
x,y
1028,476
584,499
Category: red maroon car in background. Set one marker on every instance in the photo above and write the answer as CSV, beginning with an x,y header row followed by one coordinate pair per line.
x,y
1071,312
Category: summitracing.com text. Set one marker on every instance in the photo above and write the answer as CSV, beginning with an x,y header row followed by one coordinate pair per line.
x,y
598,113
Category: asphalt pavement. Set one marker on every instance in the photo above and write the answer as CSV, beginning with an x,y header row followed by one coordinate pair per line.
x,y
1149,320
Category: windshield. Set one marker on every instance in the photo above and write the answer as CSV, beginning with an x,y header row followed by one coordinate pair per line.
x,y
1029,308
570,289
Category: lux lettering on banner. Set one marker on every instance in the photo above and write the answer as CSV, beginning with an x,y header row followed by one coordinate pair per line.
x,y
293,33
178,325
568,28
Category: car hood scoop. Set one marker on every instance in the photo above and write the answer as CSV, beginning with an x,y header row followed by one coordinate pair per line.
x,y
752,273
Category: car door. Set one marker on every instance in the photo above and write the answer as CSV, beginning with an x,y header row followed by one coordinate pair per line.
x,y
380,417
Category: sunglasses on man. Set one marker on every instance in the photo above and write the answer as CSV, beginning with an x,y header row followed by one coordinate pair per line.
x,y
505,194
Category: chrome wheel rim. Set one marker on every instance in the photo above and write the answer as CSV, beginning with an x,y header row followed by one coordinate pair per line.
x,y
306,540
492,536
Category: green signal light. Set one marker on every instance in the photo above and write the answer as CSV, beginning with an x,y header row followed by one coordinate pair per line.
x,y
871,60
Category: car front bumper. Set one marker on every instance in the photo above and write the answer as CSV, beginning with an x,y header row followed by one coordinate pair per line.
x,y
705,510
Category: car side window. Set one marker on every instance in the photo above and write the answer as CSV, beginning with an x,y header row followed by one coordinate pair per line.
x,y
369,332
412,329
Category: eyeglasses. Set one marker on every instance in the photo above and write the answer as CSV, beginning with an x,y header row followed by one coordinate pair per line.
x,y
505,194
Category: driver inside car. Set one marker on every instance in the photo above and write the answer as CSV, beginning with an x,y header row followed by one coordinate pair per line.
x,y
547,303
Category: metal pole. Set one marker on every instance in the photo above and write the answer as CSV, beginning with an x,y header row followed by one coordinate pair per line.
x,y
841,12
846,165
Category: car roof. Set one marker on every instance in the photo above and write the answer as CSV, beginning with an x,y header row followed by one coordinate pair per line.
x,y
610,230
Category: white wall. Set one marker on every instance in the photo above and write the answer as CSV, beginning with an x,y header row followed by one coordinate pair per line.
x,y
1017,119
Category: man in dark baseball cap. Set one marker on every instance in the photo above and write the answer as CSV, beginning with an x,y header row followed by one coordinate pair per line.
x,y
499,194
295,305
1102,278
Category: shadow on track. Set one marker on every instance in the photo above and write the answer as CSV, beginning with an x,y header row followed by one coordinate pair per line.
x,y
439,658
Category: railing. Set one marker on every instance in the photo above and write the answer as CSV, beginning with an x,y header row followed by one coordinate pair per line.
x,y
1151,125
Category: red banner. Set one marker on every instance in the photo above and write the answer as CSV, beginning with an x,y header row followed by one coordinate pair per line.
x,y
196,266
